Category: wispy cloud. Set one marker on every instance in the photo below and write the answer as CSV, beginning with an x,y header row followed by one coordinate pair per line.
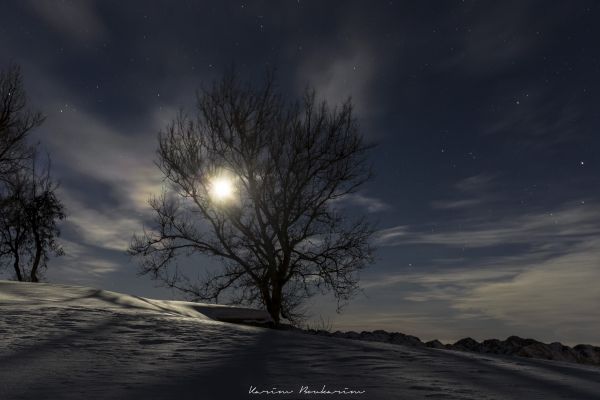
x,y
341,74
106,175
121,166
107,229
467,277
371,204
76,19
475,183
386,237
79,262
548,283
470,192
566,225
99,151
456,204
559,293
488,29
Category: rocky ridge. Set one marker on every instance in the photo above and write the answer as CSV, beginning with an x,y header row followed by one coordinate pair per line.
x,y
513,345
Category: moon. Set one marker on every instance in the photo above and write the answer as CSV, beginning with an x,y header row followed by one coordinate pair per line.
x,y
221,188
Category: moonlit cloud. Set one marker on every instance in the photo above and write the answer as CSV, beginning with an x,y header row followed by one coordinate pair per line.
x,y
548,286
76,19
337,76
473,191
559,294
475,183
371,204
107,229
456,204
487,29
121,163
395,234
563,226
124,161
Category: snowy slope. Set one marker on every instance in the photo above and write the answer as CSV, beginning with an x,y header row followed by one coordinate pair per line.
x,y
61,342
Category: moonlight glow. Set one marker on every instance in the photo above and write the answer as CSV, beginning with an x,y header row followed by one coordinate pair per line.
x,y
221,188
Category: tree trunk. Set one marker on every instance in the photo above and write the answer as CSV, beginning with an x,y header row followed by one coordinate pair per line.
x,y
36,260
18,268
274,306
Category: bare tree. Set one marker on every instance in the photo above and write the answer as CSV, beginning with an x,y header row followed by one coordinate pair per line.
x,y
29,207
252,180
28,222
14,239
16,121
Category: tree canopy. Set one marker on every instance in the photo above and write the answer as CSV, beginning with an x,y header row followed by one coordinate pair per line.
x,y
254,179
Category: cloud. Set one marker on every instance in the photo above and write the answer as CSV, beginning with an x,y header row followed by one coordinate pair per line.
x,y
468,277
371,204
456,204
81,262
559,294
76,19
546,286
478,190
557,228
540,118
122,164
115,174
338,75
106,173
385,237
496,36
122,160
109,229
476,183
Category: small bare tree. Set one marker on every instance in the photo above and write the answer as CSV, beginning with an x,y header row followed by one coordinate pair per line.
x,y
14,235
30,211
29,207
252,180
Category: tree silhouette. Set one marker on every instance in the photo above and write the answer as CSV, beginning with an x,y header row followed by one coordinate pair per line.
x,y
29,207
28,222
252,180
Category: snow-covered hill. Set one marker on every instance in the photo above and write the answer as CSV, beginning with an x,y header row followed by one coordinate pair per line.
x,y
61,342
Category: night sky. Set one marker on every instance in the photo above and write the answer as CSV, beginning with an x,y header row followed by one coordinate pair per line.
x,y
486,190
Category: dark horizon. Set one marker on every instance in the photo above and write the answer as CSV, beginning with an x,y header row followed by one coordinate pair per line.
x,y
486,182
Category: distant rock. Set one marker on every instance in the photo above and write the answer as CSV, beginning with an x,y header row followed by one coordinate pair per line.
x,y
338,334
435,344
467,344
375,336
514,345
352,335
407,340
371,336
491,346
588,352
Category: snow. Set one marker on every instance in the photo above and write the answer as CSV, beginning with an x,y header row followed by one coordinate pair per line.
x,y
65,296
63,342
